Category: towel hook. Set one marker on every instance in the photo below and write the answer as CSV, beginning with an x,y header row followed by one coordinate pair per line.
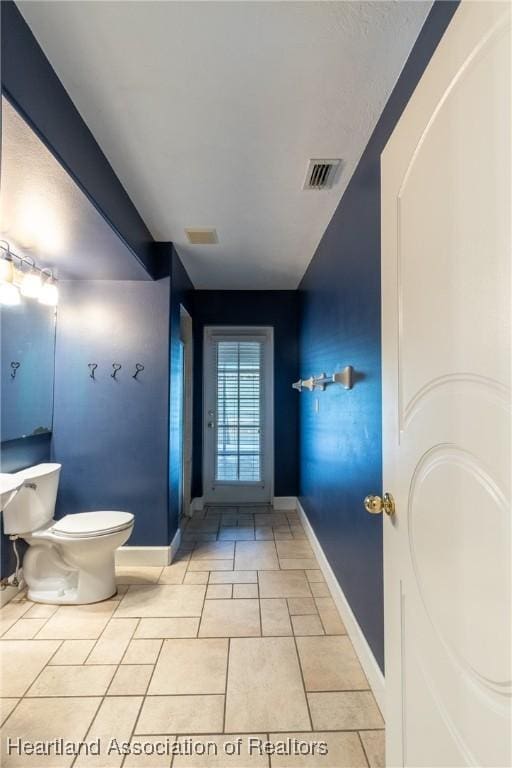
x,y
92,368
117,367
14,368
138,369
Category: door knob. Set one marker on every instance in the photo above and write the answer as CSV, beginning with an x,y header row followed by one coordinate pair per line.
x,y
375,505
211,424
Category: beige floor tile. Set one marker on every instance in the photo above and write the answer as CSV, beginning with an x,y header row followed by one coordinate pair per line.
x,y
131,680
229,520
174,573
234,577
283,584
219,591
265,688
142,651
236,534
138,574
78,622
319,589
272,519
11,612
315,576
196,577
301,606
45,720
374,744
73,652
256,555
24,629
162,600
190,666
218,755
330,664
40,611
149,628
20,663
196,536
6,707
297,563
73,681
331,620
298,532
307,625
214,550
149,752
230,618
207,524
282,534
264,533
245,590
294,549
275,619
115,720
181,714
343,751
113,642
344,711
210,565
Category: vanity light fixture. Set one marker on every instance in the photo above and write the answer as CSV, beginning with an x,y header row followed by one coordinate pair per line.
x,y
33,282
6,264
49,294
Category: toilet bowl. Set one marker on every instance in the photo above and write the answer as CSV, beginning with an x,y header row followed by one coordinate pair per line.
x,y
71,560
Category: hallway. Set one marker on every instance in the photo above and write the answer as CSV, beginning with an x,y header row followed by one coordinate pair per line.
x,y
239,636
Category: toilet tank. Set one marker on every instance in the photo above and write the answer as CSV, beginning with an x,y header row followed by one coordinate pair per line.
x,y
31,508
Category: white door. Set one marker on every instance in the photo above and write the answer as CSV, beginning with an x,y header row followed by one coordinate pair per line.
x,y
238,423
446,216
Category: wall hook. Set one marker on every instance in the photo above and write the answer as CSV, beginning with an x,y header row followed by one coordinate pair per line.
x,y
92,368
14,368
138,369
117,367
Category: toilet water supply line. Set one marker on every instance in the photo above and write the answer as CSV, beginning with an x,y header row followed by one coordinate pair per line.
x,y
16,578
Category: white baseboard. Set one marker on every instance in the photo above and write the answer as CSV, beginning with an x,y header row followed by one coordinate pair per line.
x,y
354,631
140,556
284,502
7,594
197,504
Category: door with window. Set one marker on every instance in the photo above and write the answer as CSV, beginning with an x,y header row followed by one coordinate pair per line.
x,y
238,415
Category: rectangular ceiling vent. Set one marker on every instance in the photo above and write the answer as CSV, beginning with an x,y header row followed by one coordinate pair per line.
x,y
202,236
321,174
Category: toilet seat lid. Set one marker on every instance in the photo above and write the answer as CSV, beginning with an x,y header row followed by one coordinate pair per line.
x,y
90,523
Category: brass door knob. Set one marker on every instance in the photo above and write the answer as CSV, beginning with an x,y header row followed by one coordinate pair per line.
x,y
375,505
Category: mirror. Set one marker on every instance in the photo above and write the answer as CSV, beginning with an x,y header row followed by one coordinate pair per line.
x,y
27,343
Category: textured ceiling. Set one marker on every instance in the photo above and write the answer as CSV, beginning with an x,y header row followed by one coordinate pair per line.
x,y
44,214
209,113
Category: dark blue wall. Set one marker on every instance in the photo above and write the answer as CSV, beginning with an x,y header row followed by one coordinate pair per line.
x,y
278,309
112,436
181,294
340,446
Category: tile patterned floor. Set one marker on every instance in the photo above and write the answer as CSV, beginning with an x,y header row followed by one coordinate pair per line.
x,y
238,642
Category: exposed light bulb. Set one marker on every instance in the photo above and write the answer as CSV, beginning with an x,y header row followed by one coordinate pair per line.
x,y
49,294
6,270
9,295
31,284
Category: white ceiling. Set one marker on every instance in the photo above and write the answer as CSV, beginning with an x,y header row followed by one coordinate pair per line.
x,y
44,214
210,111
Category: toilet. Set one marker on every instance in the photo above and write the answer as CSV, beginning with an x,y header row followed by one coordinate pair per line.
x,y
69,561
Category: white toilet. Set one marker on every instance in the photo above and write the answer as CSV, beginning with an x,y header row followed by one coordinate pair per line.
x,y
69,561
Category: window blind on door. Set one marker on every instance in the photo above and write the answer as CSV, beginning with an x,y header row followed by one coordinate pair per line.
x,y
239,412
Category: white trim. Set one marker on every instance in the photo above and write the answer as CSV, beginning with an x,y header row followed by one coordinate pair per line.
x,y
8,593
354,631
141,556
284,502
197,504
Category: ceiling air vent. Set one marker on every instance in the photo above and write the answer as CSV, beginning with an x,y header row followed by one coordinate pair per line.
x,y
321,174
202,236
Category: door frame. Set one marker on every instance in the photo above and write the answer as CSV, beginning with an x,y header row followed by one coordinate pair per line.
x,y
269,457
187,340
